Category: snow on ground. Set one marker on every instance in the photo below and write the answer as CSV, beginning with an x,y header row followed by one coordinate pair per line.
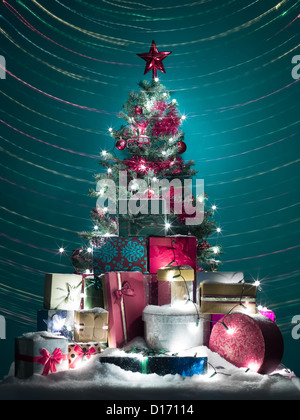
x,y
102,381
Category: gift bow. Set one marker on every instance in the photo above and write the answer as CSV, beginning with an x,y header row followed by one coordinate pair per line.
x,y
50,361
126,290
81,354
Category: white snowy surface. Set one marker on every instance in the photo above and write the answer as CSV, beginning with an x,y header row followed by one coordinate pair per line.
x,y
96,381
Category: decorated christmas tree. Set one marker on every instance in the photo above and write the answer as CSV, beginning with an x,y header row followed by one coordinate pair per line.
x,y
151,142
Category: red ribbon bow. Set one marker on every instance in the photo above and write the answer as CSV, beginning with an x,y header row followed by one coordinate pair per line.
x,y
125,290
50,361
80,354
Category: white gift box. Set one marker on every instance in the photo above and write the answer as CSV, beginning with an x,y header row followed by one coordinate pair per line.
x,y
63,291
175,328
40,353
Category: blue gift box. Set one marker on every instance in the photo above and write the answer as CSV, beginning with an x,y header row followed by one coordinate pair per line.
x,y
161,365
121,254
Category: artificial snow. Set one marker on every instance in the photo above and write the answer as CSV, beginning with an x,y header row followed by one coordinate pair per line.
x,y
102,381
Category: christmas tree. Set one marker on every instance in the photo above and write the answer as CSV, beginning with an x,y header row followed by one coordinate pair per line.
x,y
152,142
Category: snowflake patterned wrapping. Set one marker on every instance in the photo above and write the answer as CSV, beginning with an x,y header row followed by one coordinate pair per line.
x,y
253,342
121,254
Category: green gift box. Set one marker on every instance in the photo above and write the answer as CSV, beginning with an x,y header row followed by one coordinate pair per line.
x,y
94,295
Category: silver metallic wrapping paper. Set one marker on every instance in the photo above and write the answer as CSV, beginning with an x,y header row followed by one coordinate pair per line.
x,y
172,329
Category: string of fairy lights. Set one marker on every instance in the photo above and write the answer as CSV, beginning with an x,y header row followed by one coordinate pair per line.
x,y
63,60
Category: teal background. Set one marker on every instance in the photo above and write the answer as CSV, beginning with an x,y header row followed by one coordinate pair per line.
x,y
69,70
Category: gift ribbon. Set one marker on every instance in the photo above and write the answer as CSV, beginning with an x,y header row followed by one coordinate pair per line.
x,y
81,354
228,299
46,359
122,291
72,293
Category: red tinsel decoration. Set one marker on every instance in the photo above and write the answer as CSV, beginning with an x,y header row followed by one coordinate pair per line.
x,y
168,124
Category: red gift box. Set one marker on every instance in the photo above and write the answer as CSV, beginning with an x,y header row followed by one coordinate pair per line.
x,y
126,302
178,250
181,250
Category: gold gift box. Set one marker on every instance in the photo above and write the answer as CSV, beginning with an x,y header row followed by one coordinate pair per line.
x,y
91,325
221,298
180,281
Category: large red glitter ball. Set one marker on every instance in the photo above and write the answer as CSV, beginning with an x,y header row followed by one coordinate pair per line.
x,y
248,341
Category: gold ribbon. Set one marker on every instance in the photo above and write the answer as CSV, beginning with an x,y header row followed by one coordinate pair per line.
x,y
122,308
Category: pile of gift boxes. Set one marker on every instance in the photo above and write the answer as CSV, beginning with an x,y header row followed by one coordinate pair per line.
x,y
146,287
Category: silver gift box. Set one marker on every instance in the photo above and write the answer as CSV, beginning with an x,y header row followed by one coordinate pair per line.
x,y
173,330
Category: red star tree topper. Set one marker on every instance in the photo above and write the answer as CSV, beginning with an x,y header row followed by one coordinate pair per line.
x,y
154,60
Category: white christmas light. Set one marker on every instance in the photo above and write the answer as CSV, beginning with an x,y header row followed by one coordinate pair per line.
x,y
167,225
96,227
215,249
156,79
110,129
90,250
214,207
61,250
257,283
109,170
218,230
183,117
174,101
104,153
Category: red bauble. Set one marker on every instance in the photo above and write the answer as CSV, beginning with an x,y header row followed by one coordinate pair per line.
x,y
181,146
203,245
138,110
121,144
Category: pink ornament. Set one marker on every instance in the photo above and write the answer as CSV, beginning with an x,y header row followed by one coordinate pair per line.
x,y
248,341
121,144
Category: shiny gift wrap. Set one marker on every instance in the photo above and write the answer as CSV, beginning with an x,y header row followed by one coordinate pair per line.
x,y
161,365
40,353
248,341
175,329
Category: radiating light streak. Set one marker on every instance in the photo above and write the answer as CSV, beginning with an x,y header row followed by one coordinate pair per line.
x,y
18,317
101,37
232,107
287,26
44,235
263,255
73,167
50,118
55,97
39,222
17,240
72,63
256,148
45,169
40,193
17,14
